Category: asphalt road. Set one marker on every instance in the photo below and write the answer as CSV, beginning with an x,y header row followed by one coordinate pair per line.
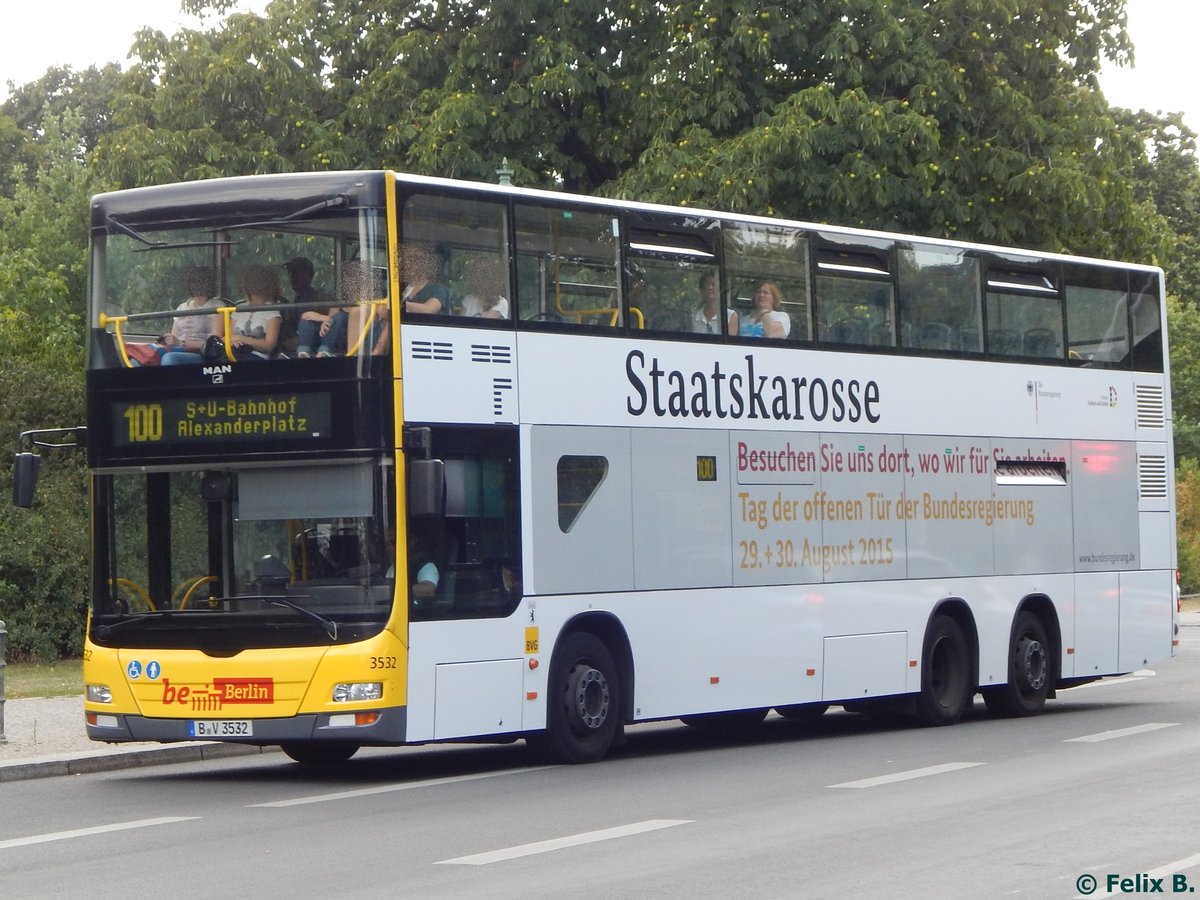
x,y
1099,785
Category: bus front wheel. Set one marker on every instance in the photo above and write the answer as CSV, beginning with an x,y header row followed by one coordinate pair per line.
x,y
946,688
1029,671
583,701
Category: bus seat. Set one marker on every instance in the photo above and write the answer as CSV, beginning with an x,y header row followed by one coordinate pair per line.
x,y
936,336
104,349
1002,342
968,338
849,331
1041,342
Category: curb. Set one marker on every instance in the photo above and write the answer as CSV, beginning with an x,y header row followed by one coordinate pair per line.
x,y
132,759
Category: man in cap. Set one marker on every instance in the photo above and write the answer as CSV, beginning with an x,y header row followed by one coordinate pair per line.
x,y
313,322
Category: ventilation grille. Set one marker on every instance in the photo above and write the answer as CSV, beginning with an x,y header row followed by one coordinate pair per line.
x,y
433,350
491,353
1152,477
1151,410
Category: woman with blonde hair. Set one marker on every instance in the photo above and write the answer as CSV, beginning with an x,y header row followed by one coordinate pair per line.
x,y
766,319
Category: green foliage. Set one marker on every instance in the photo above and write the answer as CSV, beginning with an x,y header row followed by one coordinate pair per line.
x,y
1187,507
964,118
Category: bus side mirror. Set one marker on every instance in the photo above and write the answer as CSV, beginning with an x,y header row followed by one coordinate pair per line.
x,y
426,487
25,472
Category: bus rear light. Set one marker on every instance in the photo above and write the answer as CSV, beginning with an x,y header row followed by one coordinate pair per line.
x,y
348,693
99,693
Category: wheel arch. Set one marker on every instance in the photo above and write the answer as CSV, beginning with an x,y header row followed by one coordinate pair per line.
x,y
1043,607
608,628
960,611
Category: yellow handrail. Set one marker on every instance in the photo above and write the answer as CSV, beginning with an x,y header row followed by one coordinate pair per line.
x,y
116,322
367,320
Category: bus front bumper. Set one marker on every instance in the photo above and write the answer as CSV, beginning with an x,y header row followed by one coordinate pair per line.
x,y
387,730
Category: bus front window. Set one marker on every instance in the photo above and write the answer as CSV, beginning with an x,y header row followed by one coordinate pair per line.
x,y
221,560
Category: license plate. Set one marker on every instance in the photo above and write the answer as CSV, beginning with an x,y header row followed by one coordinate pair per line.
x,y
220,728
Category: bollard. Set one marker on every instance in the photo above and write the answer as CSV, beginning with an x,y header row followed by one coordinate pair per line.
x,y
3,635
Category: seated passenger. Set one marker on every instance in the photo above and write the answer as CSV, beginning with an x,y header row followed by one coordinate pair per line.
x,y
422,294
256,331
362,326
483,280
313,324
704,320
184,343
766,319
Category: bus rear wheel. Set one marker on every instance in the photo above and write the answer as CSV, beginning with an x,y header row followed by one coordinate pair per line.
x,y
946,688
583,713
319,753
1029,672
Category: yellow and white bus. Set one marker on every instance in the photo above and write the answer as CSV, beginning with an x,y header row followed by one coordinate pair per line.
x,y
553,465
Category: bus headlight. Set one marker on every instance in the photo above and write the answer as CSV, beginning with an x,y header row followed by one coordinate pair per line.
x,y
99,693
367,690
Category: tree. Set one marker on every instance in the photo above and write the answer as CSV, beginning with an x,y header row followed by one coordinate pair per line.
x,y
43,266
977,119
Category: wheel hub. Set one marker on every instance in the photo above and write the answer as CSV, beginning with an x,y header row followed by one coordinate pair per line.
x,y
1033,664
591,697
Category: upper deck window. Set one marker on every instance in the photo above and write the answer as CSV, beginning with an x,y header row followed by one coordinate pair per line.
x,y
159,288
940,300
454,258
672,277
855,295
567,266
1024,312
775,259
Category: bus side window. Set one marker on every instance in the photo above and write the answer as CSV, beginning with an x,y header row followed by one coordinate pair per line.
x,y
939,299
567,267
756,253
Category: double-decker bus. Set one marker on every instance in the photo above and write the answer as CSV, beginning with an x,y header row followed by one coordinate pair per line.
x,y
575,464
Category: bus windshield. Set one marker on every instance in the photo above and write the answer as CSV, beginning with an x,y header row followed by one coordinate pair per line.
x,y
229,559
159,287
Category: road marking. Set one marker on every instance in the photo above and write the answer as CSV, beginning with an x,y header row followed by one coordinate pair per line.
x,y
1119,733
1139,675
906,776
389,788
575,840
86,832
1180,865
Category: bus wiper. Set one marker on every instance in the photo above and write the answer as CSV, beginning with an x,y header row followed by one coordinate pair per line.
x,y
160,245
132,623
329,625
336,202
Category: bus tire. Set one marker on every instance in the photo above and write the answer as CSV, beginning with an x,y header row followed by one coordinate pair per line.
x,y
1029,671
319,753
946,688
583,708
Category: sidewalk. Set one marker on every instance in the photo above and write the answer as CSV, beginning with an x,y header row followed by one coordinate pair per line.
x,y
45,736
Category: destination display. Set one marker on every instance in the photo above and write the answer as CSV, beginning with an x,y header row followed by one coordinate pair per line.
x,y
276,416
